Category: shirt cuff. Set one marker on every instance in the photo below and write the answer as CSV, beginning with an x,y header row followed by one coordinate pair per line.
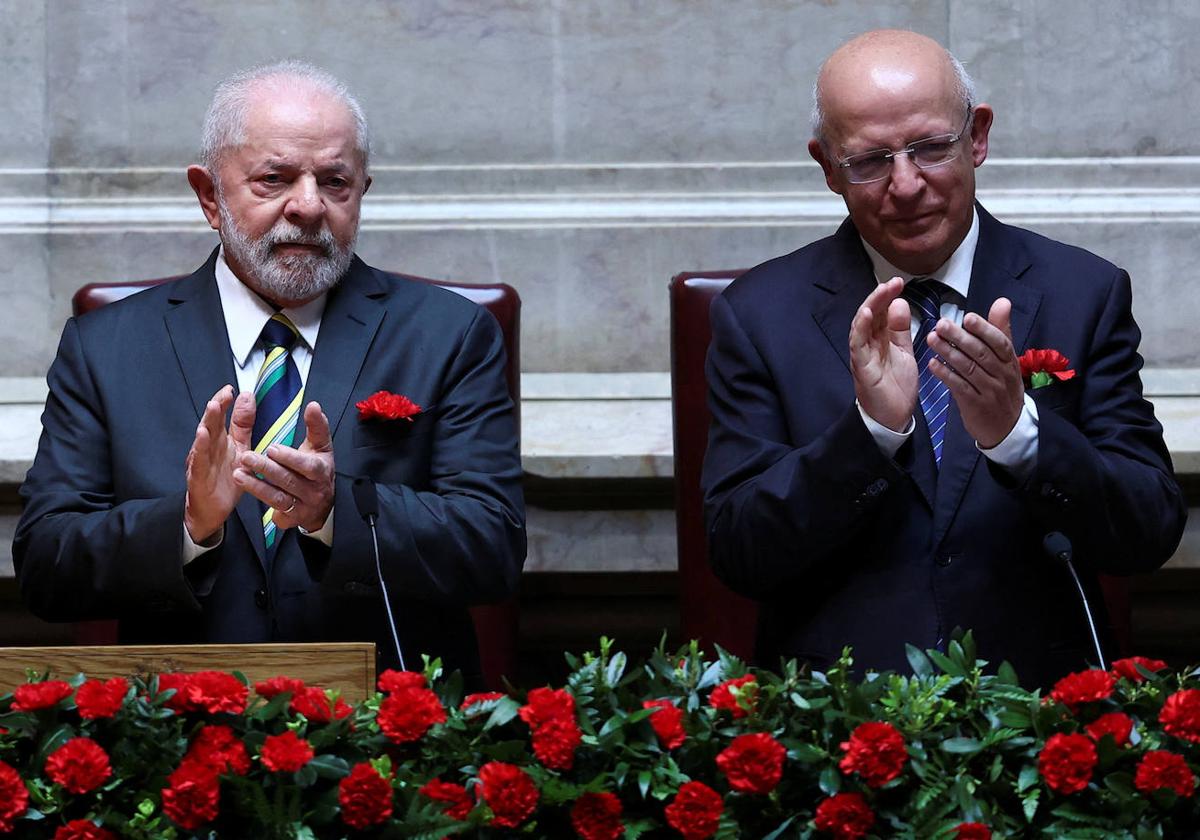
x,y
192,549
1017,453
324,534
888,441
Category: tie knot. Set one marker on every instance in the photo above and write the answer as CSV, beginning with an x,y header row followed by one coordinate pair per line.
x,y
927,295
279,332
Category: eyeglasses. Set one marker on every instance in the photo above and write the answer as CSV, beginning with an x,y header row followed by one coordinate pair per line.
x,y
868,167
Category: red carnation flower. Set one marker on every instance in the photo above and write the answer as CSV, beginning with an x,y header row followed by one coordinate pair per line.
x,y
83,830
509,792
1041,367
192,796
176,681
1180,715
101,699
14,797
1090,686
972,831
753,763
1160,769
80,765
1128,667
597,816
407,713
875,751
220,750
278,685
478,699
390,680
550,713
722,696
545,704
695,812
453,796
1067,762
314,703
42,695
846,816
383,405
365,797
1117,724
285,753
667,723
555,741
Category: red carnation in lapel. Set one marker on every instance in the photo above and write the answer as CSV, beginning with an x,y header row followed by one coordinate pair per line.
x,y
1041,367
384,405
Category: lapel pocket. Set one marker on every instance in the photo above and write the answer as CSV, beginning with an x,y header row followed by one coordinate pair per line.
x,y
373,433
1060,397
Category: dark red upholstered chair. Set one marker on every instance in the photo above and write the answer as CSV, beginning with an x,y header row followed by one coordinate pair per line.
x,y
496,625
709,611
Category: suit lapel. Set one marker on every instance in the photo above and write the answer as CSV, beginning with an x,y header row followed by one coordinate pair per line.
x,y
196,325
348,326
1000,261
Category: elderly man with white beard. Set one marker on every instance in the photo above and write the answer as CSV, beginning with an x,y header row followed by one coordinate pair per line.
x,y
193,478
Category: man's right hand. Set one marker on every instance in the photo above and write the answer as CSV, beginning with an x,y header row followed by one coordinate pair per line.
x,y
881,357
212,493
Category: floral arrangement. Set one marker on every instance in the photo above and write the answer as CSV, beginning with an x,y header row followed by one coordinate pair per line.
x,y
679,746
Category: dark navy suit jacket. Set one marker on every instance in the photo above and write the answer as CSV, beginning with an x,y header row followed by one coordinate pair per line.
x,y
844,546
100,536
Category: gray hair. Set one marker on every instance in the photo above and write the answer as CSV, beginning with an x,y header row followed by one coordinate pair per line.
x,y
225,121
964,90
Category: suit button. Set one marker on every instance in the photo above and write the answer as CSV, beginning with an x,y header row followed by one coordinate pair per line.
x,y
877,486
946,559
260,599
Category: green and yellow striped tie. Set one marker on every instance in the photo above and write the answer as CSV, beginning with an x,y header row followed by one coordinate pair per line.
x,y
278,395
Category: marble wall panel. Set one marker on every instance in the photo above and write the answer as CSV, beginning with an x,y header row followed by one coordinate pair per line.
x,y
1082,78
601,541
22,83
29,324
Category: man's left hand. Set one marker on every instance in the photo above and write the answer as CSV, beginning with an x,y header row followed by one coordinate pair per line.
x,y
977,363
297,483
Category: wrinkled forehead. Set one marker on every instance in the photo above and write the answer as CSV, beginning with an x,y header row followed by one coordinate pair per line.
x,y
899,93
288,113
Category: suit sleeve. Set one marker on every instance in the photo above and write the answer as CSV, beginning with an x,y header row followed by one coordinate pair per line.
x,y
776,511
1105,479
460,540
79,554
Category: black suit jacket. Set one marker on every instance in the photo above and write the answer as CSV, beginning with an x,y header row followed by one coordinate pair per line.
x,y
100,536
845,546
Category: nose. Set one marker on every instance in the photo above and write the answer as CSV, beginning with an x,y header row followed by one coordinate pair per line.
x,y
907,179
305,206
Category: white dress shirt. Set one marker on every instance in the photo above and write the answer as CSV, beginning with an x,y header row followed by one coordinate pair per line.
x,y
1018,451
245,316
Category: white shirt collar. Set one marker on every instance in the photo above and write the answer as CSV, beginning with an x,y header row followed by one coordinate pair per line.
x,y
954,272
246,313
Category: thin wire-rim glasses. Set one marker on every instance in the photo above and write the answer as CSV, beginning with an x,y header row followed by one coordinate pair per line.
x,y
926,153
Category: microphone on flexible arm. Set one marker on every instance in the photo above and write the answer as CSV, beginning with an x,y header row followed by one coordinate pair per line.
x,y
1057,546
366,499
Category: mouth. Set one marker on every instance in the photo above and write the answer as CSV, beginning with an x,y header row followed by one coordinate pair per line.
x,y
298,248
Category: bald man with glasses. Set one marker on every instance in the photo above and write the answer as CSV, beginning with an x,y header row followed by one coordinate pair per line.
x,y
879,471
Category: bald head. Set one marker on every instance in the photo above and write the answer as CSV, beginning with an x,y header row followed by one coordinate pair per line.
x,y
886,62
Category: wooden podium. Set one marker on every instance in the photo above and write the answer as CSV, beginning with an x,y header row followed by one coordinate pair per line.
x,y
348,667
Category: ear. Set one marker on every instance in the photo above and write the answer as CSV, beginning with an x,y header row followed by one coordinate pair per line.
x,y
205,188
981,124
827,166
366,185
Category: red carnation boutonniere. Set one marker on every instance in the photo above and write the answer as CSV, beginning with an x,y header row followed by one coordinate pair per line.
x,y
1042,367
384,405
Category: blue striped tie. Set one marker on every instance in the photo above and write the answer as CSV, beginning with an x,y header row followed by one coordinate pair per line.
x,y
278,394
925,298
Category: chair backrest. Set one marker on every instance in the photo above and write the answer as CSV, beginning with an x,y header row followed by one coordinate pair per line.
x,y
496,625
710,611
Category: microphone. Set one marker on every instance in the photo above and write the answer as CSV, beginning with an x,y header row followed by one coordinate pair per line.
x,y
1057,546
366,499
